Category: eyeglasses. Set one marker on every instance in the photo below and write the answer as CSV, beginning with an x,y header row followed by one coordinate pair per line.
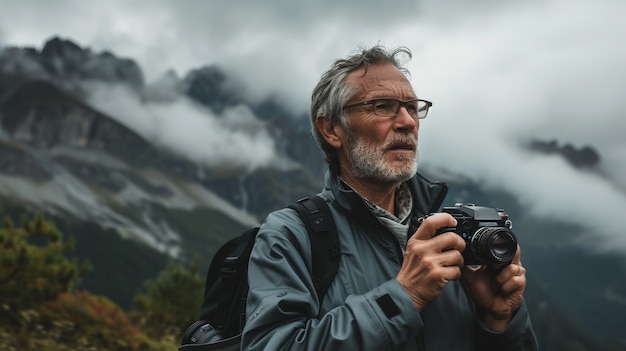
x,y
416,108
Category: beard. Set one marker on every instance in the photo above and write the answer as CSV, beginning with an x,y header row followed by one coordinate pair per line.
x,y
367,161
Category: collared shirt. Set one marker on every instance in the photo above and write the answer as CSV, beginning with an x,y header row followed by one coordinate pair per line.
x,y
396,223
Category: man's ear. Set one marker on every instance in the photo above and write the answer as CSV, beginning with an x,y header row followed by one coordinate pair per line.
x,y
331,132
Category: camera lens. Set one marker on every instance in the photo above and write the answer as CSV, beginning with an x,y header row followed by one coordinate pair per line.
x,y
494,245
201,332
500,245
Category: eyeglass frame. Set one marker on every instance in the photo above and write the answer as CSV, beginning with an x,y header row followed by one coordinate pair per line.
x,y
401,103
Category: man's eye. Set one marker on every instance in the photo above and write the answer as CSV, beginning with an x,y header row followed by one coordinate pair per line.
x,y
385,105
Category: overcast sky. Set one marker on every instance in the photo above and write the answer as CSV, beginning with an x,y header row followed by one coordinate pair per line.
x,y
498,72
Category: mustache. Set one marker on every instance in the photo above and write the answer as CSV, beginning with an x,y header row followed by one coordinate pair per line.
x,y
404,141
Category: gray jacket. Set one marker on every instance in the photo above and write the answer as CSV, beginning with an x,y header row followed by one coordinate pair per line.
x,y
365,308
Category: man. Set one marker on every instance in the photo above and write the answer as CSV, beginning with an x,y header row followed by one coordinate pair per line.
x,y
399,286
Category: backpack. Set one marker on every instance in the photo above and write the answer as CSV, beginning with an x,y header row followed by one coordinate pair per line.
x,y
222,315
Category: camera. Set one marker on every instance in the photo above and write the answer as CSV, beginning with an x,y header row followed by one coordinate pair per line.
x,y
201,332
487,234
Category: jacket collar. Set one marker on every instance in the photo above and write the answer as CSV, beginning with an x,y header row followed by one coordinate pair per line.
x,y
427,195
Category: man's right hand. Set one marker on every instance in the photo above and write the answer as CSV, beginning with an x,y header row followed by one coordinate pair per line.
x,y
430,261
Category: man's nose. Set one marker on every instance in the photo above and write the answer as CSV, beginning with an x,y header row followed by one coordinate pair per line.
x,y
403,119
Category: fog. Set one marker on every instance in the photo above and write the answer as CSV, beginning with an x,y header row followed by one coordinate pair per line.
x,y
235,137
500,74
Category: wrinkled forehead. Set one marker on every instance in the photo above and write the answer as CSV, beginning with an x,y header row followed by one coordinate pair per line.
x,y
384,80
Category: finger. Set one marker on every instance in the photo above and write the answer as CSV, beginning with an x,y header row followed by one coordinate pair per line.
x,y
517,259
452,258
438,244
515,284
444,249
511,272
451,242
430,224
452,272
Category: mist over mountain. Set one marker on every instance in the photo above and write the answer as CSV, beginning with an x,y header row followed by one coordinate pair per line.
x,y
65,153
174,167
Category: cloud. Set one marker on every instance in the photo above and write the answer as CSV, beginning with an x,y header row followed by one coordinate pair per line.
x,y
498,87
235,137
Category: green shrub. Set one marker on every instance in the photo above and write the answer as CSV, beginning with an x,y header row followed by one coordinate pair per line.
x,y
172,299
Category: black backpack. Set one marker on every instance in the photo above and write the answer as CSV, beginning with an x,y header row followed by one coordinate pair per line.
x,y
222,314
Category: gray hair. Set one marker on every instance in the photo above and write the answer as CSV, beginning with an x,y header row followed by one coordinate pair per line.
x,y
332,92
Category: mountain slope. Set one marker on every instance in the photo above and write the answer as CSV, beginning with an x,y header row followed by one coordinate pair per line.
x,y
101,181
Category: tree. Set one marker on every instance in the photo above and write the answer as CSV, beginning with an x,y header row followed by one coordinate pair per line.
x,y
173,298
34,267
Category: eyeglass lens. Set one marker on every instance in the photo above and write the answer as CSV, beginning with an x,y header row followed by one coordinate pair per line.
x,y
391,107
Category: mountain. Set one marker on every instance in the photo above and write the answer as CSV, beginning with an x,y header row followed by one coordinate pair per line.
x,y
87,170
585,157
68,65
132,202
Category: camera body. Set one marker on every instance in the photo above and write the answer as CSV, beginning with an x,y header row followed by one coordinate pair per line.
x,y
487,234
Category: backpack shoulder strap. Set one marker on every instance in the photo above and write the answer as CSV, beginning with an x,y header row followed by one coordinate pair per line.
x,y
226,284
324,239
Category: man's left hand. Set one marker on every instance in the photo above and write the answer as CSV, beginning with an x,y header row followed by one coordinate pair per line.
x,y
497,293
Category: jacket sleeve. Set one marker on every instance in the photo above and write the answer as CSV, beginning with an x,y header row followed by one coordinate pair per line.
x,y
282,306
519,335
